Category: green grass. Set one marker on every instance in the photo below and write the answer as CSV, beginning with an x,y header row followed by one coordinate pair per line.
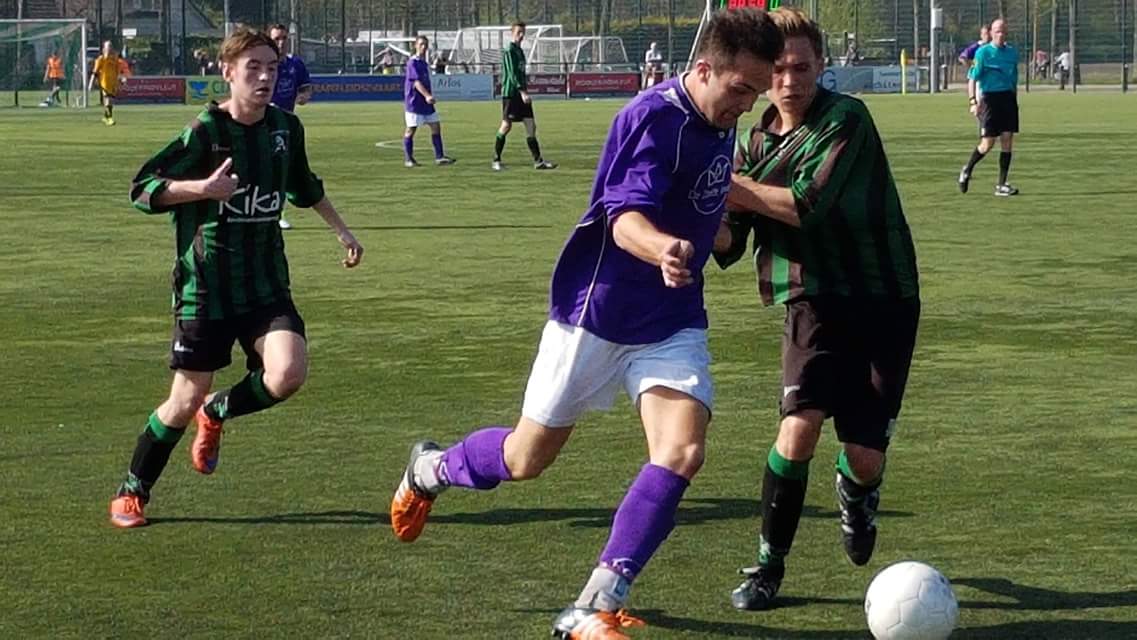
x,y
1012,470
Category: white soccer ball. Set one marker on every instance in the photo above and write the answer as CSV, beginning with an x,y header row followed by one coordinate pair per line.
x,y
911,601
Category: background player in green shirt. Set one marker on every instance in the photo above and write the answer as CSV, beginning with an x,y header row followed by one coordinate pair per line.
x,y
516,105
833,246
225,179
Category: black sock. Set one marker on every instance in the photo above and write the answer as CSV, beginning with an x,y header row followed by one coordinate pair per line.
x,y
783,497
106,111
247,396
498,145
534,148
1004,166
151,454
976,156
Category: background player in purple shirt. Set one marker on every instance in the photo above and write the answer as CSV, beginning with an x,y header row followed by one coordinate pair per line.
x,y
967,56
419,102
626,310
293,84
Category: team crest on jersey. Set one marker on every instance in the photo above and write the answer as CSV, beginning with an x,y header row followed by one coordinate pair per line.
x,y
709,192
279,142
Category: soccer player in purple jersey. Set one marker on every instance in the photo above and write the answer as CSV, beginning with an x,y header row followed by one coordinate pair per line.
x,y
293,84
626,310
419,102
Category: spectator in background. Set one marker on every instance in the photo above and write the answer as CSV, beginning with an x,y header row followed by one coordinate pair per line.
x,y
201,58
1062,62
1041,64
440,63
653,65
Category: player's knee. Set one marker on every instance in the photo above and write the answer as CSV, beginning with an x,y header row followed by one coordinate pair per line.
x,y
798,434
685,459
866,464
183,404
287,380
530,464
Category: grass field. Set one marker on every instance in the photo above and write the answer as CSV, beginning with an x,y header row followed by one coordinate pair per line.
x,y
1012,471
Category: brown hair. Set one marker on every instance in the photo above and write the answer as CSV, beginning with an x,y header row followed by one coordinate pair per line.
x,y
276,27
516,25
793,23
744,30
243,39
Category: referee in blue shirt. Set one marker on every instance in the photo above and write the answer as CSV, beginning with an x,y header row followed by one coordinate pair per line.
x,y
995,74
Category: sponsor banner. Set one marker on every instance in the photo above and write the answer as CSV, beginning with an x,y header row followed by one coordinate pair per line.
x,y
465,86
887,80
152,90
202,89
604,84
540,84
353,88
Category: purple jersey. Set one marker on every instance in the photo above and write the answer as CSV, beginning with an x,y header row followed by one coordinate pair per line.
x,y
291,77
969,52
417,69
664,160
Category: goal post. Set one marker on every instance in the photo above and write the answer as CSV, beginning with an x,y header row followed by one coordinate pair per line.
x,y
26,46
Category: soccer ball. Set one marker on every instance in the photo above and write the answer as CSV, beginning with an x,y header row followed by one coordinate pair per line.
x,y
911,601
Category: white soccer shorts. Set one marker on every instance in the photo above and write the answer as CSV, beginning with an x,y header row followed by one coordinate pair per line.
x,y
576,371
419,120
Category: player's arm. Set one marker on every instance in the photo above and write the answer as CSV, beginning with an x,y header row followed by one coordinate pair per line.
x,y
177,174
421,88
304,85
637,178
332,218
818,180
734,229
306,190
94,73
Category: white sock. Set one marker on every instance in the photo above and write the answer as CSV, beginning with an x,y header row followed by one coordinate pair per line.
x,y
605,590
426,472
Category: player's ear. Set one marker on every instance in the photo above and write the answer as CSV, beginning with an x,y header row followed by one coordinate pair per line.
x,y
703,69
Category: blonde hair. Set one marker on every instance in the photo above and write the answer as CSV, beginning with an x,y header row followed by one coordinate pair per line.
x,y
794,23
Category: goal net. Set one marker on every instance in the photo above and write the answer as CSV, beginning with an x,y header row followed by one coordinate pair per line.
x,y
26,77
478,49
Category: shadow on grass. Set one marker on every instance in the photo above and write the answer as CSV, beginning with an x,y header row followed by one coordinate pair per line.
x,y
1036,599
694,511
319,517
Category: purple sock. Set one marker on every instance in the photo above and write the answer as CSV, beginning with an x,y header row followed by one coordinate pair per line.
x,y
436,140
478,461
409,147
644,520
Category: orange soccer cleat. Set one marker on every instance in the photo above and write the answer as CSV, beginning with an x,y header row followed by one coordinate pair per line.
x,y
206,445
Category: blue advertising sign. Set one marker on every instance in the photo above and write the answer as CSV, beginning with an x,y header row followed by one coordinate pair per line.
x,y
336,88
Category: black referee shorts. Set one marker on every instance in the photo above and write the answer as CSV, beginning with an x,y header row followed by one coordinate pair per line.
x,y
998,114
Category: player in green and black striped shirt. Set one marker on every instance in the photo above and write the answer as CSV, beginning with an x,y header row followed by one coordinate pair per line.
x,y
516,105
833,246
224,180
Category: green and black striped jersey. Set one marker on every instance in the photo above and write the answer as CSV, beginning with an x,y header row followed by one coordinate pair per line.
x,y
854,240
512,70
230,255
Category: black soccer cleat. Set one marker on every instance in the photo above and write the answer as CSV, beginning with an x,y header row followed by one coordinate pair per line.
x,y
757,591
964,180
858,519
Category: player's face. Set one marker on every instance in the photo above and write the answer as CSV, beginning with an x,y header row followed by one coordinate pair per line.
x,y
421,46
518,34
984,35
731,90
999,32
252,75
795,76
108,48
280,37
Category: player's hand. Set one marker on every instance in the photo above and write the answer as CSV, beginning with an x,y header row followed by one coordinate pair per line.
x,y
430,100
525,97
221,184
974,109
673,264
354,249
